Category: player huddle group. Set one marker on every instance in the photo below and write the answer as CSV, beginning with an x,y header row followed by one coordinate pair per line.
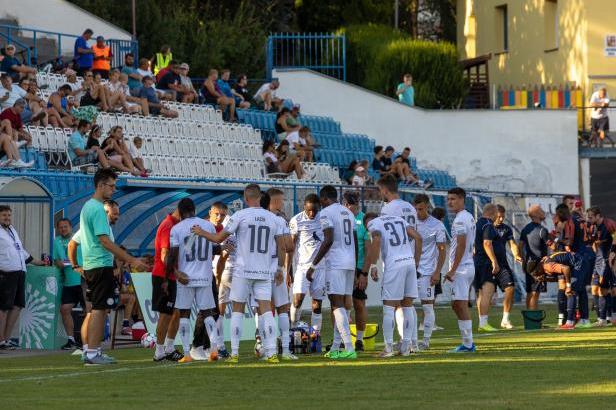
x,y
327,250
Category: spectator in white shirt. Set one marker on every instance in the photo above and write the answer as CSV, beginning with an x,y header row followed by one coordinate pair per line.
x,y
266,95
600,122
269,158
134,149
13,261
116,98
359,179
298,142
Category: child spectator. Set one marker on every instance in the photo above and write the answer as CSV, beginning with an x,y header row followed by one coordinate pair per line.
x,y
359,179
134,149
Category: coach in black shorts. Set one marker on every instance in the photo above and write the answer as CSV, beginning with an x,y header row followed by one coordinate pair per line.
x,y
533,246
13,261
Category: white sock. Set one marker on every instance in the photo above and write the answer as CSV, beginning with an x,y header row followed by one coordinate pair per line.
x,y
505,317
342,322
257,321
160,351
316,320
236,331
185,334
561,316
212,331
169,345
360,335
400,322
285,337
466,331
429,319
221,332
389,319
268,333
296,314
410,322
483,320
413,325
261,326
84,347
337,338
91,353
71,338
569,323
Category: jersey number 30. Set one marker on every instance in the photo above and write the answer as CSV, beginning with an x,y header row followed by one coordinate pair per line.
x,y
200,249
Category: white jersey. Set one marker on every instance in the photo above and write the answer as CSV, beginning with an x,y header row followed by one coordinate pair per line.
x,y
341,255
396,248
195,252
432,232
256,230
463,224
231,240
309,237
403,209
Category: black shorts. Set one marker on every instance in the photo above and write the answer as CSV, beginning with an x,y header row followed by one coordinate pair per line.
x,y
101,288
358,293
163,302
600,124
504,278
12,290
72,295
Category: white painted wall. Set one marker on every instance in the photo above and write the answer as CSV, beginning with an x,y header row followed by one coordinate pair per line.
x,y
58,16
513,151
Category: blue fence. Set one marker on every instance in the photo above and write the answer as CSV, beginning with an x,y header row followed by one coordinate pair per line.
x,y
325,53
31,38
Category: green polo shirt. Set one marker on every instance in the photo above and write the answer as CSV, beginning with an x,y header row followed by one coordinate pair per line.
x,y
92,223
362,237
60,253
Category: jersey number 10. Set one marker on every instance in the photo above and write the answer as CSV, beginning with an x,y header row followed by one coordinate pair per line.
x,y
259,236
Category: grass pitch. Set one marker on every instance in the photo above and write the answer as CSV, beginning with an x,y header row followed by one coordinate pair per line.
x,y
512,369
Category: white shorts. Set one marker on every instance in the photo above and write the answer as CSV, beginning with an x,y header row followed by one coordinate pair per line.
x,y
399,283
202,296
301,285
426,292
224,290
280,294
242,289
339,281
462,282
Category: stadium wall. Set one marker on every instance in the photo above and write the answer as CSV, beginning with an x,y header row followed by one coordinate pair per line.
x,y
512,151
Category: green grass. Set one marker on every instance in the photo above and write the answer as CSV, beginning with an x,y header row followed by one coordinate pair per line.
x,y
515,369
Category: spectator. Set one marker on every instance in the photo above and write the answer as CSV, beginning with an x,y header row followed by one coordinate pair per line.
x,y
223,83
600,122
213,95
119,151
387,161
13,278
12,67
293,118
11,124
282,129
134,149
162,59
134,77
144,69
154,105
366,165
142,103
10,92
405,91
377,161
299,144
93,137
84,55
102,58
71,79
169,81
59,108
9,148
34,113
269,157
266,96
240,92
287,161
347,174
80,155
116,97
188,89
359,178
402,170
93,94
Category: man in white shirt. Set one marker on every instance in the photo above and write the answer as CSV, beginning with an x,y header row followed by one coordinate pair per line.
x,y
391,238
259,246
461,266
339,245
307,236
600,122
434,238
266,95
13,261
190,258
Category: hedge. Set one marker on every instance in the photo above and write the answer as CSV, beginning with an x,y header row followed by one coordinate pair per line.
x,y
378,56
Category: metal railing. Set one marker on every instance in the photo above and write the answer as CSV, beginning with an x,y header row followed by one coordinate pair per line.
x,y
322,52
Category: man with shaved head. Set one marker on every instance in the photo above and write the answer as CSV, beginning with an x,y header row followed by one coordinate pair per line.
x,y
487,267
533,246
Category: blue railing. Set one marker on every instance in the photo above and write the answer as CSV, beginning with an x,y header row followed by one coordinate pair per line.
x,y
322,52
119,48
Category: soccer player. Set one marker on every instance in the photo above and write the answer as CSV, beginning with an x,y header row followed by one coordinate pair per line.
x,y
505,278
391,238
533,246
461,268
350,200
190,259
433,239
388,187
306,234
98,251
486,265
258,234
602,273
280,292
339,245
164,290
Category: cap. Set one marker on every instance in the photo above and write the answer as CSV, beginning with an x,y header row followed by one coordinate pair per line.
x,y
10,46
100,38
295,107
19,101
359,169
389,148
184,66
